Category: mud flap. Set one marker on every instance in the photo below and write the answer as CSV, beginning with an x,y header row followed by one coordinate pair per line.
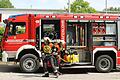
x,y
4,56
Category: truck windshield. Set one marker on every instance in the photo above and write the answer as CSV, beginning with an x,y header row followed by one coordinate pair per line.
x,y
16,28
2,29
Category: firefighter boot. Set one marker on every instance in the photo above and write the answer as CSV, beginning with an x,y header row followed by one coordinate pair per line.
x,y
59,73
46,75
56,74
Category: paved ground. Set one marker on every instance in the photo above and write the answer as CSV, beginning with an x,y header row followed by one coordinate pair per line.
x,y
12,72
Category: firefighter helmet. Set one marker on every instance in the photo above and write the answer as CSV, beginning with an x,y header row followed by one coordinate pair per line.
x,y
47,39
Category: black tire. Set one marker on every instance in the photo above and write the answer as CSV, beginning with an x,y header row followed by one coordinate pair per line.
x,y
104,64
29,63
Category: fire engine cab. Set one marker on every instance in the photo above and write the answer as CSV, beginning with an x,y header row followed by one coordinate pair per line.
x,y
93,38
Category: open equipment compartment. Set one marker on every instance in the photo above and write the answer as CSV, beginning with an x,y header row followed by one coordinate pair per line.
x,y
78,39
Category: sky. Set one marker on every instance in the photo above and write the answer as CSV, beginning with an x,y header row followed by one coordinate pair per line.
x,y
60,4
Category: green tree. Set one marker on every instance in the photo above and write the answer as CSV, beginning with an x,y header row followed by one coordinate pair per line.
x,y
81,6
6,4
113,9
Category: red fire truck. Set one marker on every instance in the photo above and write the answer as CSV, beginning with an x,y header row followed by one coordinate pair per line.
x,y
93,37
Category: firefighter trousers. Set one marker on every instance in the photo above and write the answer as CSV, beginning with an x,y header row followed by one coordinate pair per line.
x,y
49,58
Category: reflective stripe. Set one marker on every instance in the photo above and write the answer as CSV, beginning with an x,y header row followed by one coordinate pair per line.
x,y
21,40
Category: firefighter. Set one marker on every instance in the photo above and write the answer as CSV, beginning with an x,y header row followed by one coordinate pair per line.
x,y
56,49
62,49
48,57
62,43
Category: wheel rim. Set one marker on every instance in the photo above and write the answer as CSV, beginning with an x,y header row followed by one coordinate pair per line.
x,y
29,64
104,64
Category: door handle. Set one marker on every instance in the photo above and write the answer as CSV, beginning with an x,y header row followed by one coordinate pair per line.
x,y
24,40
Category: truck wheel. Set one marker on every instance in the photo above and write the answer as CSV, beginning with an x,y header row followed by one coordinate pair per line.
x,y
29,63
104,63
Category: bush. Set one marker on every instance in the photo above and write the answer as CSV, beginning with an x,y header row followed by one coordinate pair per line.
x,y
2,30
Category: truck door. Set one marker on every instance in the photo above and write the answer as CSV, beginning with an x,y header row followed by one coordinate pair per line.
x,y
16,37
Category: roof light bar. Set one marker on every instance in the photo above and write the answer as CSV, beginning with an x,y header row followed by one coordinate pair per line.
x,y
107,17
53,16
81,16
75,16
47,16
101,16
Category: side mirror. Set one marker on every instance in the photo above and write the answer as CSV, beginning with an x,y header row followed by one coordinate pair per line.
x,y
5,21
5,37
